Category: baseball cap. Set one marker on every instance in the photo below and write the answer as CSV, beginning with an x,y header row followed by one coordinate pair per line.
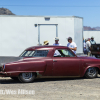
x,y
56,38
92,37
69,38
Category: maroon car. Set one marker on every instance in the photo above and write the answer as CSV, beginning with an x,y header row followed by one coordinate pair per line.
x,y
50,61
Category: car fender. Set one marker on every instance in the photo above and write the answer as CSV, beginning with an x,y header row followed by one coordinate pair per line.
x,y
15,68
96,66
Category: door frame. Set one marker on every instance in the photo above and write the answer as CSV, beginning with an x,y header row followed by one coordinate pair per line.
x,y
46,24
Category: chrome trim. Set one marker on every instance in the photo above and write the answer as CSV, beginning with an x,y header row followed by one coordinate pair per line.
x,y
57,76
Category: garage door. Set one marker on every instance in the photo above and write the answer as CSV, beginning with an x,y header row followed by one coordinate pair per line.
x,y
47,32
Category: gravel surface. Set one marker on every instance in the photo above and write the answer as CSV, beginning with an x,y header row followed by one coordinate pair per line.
x,y
53,89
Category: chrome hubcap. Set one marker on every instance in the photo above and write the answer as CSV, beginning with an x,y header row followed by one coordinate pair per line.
x,y
91,72
27,76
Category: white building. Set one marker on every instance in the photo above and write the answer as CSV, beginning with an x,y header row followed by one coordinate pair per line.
x,y
95,34
20,32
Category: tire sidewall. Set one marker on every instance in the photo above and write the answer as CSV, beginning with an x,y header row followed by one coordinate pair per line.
x,y
87,76
20,77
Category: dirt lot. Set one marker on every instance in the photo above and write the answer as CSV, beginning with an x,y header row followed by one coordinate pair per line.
x,y
53,89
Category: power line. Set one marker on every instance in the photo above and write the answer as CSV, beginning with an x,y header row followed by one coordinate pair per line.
x,y
47,6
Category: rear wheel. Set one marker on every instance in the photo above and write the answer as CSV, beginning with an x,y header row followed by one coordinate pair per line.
x,y
91,72
27,77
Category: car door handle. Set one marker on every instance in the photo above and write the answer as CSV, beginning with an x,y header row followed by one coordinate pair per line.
x,y
54,60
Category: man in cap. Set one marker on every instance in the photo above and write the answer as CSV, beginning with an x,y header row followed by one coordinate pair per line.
x,y
46,43
72,45
88,47
57,44
92,40
56,41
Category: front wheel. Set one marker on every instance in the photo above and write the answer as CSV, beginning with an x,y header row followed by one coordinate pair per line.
x,y
91,72
26,77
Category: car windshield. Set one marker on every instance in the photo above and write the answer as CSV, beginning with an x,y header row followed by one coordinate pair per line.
x,y
36,53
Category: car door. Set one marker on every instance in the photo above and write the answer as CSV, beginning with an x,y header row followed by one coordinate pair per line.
x,y
66,64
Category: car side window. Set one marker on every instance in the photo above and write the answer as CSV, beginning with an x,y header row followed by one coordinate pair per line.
x,y
40,53
68,53
57,53
63,53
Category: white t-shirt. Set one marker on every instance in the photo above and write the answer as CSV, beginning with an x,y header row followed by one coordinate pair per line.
x,y
88,45
56,52
72,45
57,44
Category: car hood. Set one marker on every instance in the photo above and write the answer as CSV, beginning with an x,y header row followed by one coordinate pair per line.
x,y
7,59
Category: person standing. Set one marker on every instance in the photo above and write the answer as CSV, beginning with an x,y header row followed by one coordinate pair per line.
x,y
92,40
88,47
56,44
56,41
72,45
84,48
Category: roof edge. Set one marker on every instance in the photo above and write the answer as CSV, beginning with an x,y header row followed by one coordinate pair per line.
x,y
37,16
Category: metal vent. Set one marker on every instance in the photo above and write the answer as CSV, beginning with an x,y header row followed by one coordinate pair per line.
x,y
47,18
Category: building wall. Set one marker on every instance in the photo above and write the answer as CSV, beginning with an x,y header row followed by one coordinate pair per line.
x,y
19,32
95,34
78,36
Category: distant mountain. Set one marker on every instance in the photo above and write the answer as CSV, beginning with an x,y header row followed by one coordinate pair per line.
x,y
4,11
97,28
88,28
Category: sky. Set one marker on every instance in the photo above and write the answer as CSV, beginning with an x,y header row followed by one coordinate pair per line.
x,y
88,9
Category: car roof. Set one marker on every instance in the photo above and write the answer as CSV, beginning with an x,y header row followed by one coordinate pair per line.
x,y
47,46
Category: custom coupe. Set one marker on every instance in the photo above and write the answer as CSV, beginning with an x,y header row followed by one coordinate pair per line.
x,y
50,61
